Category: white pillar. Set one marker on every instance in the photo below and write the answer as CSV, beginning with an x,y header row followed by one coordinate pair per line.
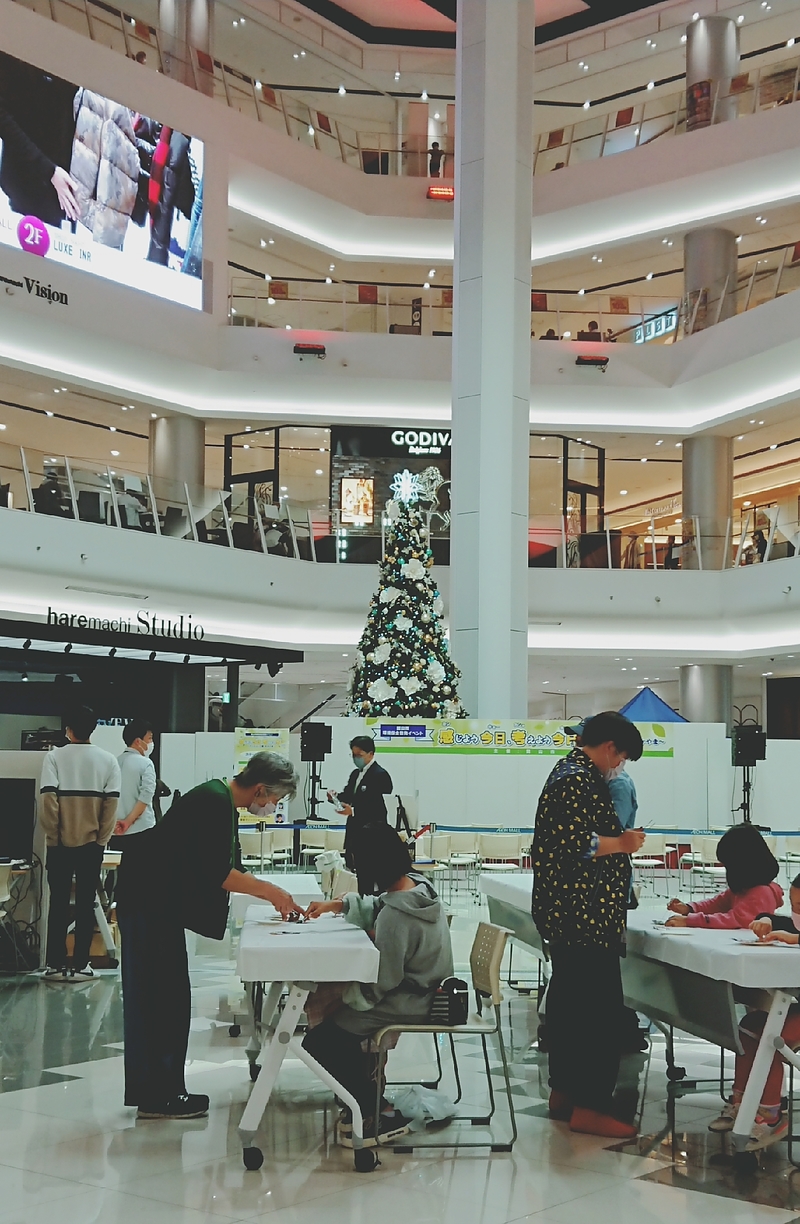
x,y
712,60
491,354
177,450
707,500
706,693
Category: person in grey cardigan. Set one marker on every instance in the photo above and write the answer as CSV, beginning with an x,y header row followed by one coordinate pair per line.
x,y
407,921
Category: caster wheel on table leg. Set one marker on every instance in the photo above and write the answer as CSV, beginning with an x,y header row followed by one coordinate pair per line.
x,y
365,1159
745,1162
234,1030
676,1073
253,1158
255,1070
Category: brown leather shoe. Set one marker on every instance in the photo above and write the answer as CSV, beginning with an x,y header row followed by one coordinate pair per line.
x,y
559,1106
590,1122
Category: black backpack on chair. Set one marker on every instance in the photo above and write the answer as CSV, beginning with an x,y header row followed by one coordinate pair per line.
x,y
450,1003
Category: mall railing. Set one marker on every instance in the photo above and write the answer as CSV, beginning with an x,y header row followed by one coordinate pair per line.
x,y
83,490
328,305
384,151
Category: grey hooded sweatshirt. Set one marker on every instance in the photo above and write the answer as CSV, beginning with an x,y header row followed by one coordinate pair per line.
x,y
413,938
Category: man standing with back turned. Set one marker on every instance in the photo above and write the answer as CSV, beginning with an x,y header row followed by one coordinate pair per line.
x,y
79,793
582,874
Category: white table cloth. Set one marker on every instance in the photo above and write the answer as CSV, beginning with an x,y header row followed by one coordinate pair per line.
x,y
304,889
727,956
513,887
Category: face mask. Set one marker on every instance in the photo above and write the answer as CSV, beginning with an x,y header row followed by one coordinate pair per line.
x,y
148,749
256,809
796,920
610,774
359,762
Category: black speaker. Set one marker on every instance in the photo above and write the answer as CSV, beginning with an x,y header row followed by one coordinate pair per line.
x,y
315,741
748,744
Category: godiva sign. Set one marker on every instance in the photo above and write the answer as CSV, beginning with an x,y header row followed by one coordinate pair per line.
x,y
148,624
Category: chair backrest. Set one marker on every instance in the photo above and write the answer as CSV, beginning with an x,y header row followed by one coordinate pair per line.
x,y
423,846
334,839
411,806
251,843
772,843
463,843
282,839
499,846
313,839
440,846
652,847
343,882
485,958
708,849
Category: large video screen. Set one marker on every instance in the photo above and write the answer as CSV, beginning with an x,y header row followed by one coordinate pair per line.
x,y
87,182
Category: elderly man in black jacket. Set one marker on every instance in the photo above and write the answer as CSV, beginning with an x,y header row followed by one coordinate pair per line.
x,y
362,800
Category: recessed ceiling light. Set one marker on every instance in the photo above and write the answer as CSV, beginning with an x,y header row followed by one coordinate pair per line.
x,y
766,673
773,446
424,95
740,19
586,104
115,453
271,241
328,280
397,76
320,472
263,242
581,292
623,492
288,327
331,267
651,84
567,335
739,237
427,285
342,91
649,276
746,504
643,460
112,429
545,682
683,38
153,416
740,437
660,442
678,444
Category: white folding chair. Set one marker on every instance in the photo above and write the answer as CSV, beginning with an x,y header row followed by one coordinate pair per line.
x,y
649,860
496,849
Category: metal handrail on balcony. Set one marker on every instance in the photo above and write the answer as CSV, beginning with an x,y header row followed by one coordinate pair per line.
x,y
384,151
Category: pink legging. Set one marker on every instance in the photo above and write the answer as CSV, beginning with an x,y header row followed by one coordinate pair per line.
x,y
750,1033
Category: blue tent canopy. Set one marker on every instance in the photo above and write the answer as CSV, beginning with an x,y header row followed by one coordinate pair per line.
x,y
647,706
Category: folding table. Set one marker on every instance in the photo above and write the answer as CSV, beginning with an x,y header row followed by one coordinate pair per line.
x,y
299,955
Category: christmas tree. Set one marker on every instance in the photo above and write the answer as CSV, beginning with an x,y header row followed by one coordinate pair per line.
x,y
403,668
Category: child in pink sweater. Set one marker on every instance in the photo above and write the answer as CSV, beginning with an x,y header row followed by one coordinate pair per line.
x,y
750,869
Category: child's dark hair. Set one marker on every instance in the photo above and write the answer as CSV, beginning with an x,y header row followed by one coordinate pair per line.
x,y
381,859
796,882
747,859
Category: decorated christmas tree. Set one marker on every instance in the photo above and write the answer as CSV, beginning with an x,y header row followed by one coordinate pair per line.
x,y
403,668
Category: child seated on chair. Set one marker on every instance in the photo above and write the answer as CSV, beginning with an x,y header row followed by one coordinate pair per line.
x,y
407,922
771,1124
750,869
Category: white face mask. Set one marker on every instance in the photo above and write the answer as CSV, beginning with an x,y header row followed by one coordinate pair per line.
x,y
611,774
256,809
148,749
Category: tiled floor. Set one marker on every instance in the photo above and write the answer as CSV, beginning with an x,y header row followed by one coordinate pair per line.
x,y
70,1153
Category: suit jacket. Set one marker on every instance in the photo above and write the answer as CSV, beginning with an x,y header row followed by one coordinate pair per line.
x,y
367,801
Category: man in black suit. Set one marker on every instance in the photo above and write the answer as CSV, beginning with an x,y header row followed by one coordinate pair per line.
x,y
362,800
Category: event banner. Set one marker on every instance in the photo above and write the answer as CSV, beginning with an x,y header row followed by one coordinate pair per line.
x,y
474,735
250,740
90,183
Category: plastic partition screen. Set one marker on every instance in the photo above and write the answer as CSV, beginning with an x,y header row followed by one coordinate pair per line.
x,y
90,183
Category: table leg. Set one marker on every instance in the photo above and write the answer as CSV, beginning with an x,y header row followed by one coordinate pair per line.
x,y
364,1159
104,929
765,1053
273,1052
260,1020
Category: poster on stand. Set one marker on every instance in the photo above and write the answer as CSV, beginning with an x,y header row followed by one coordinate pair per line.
x,y
250,740
545,737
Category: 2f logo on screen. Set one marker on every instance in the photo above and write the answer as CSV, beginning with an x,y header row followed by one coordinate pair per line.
x,y
33,236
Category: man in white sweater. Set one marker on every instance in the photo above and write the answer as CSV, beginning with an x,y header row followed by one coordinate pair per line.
x,y
78,805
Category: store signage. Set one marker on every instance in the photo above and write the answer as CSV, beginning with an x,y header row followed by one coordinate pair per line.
x,y
422,441
671,505
546,737
148,624
36,289
661,325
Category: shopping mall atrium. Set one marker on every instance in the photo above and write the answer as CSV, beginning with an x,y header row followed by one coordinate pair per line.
x,y
275,280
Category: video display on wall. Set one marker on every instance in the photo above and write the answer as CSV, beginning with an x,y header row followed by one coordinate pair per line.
x,y
358,501
90,183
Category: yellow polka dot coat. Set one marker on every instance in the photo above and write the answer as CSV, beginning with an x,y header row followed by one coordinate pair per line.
x,y
578,899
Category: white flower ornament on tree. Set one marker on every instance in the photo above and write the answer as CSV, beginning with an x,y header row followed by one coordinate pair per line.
x,y
403,622
381,690
382,653
413,569
389,595
435,672
410,684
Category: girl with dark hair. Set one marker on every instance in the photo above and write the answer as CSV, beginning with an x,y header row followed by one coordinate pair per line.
x,y
771,1123
407,921
750,869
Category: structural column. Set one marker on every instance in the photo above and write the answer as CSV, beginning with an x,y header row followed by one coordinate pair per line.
x,y
491,354
712,61
706,693
710,276
177,450
186,28
707,502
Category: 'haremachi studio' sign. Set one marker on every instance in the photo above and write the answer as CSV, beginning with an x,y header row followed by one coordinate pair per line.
x,y
149,624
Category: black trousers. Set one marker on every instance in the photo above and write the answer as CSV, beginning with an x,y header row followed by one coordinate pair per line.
x,y
64,862
156,1004
584,1024
340,1053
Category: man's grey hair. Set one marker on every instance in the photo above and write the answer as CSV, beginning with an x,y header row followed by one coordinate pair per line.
x,y
272,771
